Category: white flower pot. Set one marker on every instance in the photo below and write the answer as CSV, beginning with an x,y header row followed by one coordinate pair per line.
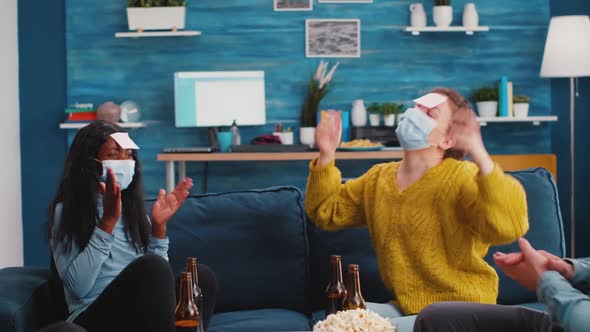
x,y
487,109
307,136
442,16
521,110
156,18
389,120
374,119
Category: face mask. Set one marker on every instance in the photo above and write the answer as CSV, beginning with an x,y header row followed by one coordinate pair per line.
x,y
414,128
122,169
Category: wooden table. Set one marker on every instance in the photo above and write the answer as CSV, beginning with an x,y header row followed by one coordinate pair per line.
x,y
182,158
508,162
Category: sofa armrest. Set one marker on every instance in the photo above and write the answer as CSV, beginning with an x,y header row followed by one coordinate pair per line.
x,y
29,299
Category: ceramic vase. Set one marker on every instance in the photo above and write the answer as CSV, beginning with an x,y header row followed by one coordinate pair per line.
x,y
470,16
358,115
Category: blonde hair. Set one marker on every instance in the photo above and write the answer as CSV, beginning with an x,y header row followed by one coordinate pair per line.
x,y
457,102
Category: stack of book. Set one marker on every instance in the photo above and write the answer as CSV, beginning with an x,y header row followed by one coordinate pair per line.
x,y
505,97
80,113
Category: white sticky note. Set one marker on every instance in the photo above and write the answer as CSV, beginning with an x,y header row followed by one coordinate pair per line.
x,y
431,100
124,141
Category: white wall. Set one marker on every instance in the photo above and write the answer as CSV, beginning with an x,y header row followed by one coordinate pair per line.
x,y
11,233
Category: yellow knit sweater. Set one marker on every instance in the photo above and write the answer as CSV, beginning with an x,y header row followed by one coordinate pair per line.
x,y
430,238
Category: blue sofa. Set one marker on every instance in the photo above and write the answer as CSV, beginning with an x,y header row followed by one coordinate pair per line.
x,y
271,263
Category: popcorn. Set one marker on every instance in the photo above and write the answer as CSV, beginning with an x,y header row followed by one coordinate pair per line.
x,y
358,320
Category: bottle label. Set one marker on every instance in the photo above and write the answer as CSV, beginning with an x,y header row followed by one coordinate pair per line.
x,y
187,326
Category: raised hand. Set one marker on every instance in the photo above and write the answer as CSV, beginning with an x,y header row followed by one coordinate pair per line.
x,y
328,135
525,267
166,206
466,130
111,202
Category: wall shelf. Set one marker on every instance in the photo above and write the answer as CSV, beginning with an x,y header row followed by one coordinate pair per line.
x,y
78,125
535,120
468,30
135,34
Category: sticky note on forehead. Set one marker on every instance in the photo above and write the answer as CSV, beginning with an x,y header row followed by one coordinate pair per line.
x,y
124,141
431,100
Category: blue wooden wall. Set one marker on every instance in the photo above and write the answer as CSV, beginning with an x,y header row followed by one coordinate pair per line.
x,y
249,35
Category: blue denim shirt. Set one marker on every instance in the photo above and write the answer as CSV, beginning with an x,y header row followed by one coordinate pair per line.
x,y
567,301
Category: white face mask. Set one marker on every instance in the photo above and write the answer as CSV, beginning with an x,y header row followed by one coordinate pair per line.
x,y
413,129
124,170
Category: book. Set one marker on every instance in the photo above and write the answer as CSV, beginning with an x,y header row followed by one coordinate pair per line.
x,y
510,99
79,110
82,116
503,96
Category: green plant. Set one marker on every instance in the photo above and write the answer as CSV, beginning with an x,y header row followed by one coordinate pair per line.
x,y
442,2
156,3
374,108
317,90
485,94
521,99
390,108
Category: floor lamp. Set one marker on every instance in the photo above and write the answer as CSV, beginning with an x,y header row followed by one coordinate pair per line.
x,y
567,54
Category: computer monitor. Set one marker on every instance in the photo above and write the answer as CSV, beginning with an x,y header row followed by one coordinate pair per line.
x,y
217,98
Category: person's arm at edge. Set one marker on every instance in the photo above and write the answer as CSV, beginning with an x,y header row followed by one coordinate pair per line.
x,y
568,306
79,270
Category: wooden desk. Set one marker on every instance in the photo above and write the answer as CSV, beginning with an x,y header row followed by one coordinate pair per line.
x,y
508,162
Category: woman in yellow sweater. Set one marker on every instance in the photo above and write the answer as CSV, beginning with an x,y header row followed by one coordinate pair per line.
x,y
431,216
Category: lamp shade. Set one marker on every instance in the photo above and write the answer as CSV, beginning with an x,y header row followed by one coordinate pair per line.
x,y
567,50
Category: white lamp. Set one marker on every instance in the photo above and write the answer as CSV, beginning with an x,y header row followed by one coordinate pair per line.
x,y
567,54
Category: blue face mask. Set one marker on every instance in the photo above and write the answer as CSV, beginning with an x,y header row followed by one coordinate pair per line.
x,y
124,170
414,128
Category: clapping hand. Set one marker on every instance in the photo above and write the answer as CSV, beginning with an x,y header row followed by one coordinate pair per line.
x,y
112,204
525,267
166,206
328,135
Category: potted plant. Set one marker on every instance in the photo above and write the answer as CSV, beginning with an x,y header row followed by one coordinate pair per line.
x,y
156,14
374,111
442,13
389,111
317,90
486,99
521,106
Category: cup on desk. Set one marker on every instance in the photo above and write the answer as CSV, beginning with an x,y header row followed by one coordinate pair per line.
x,y
285,136
224,139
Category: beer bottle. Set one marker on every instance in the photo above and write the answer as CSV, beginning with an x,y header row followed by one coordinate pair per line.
x,y
353,299
335,291
191,266
187,316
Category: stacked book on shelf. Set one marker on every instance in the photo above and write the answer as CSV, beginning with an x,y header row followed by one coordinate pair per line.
x,y
80,113
505,97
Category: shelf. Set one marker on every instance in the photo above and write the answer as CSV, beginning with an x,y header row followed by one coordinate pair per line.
x,y
134,34
536,120
468,30
78,125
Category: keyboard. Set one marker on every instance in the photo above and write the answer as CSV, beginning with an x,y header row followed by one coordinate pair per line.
x,y
198,149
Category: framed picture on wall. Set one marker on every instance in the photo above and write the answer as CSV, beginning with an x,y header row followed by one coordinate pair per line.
x,y
345,1
332,38
293,5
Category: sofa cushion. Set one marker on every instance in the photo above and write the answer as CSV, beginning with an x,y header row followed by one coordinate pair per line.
x,y
545,229
354,245
29,299
254,241
259,321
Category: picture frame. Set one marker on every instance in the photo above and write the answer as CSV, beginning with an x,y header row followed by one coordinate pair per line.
x,y
345,1
333,38
292,5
